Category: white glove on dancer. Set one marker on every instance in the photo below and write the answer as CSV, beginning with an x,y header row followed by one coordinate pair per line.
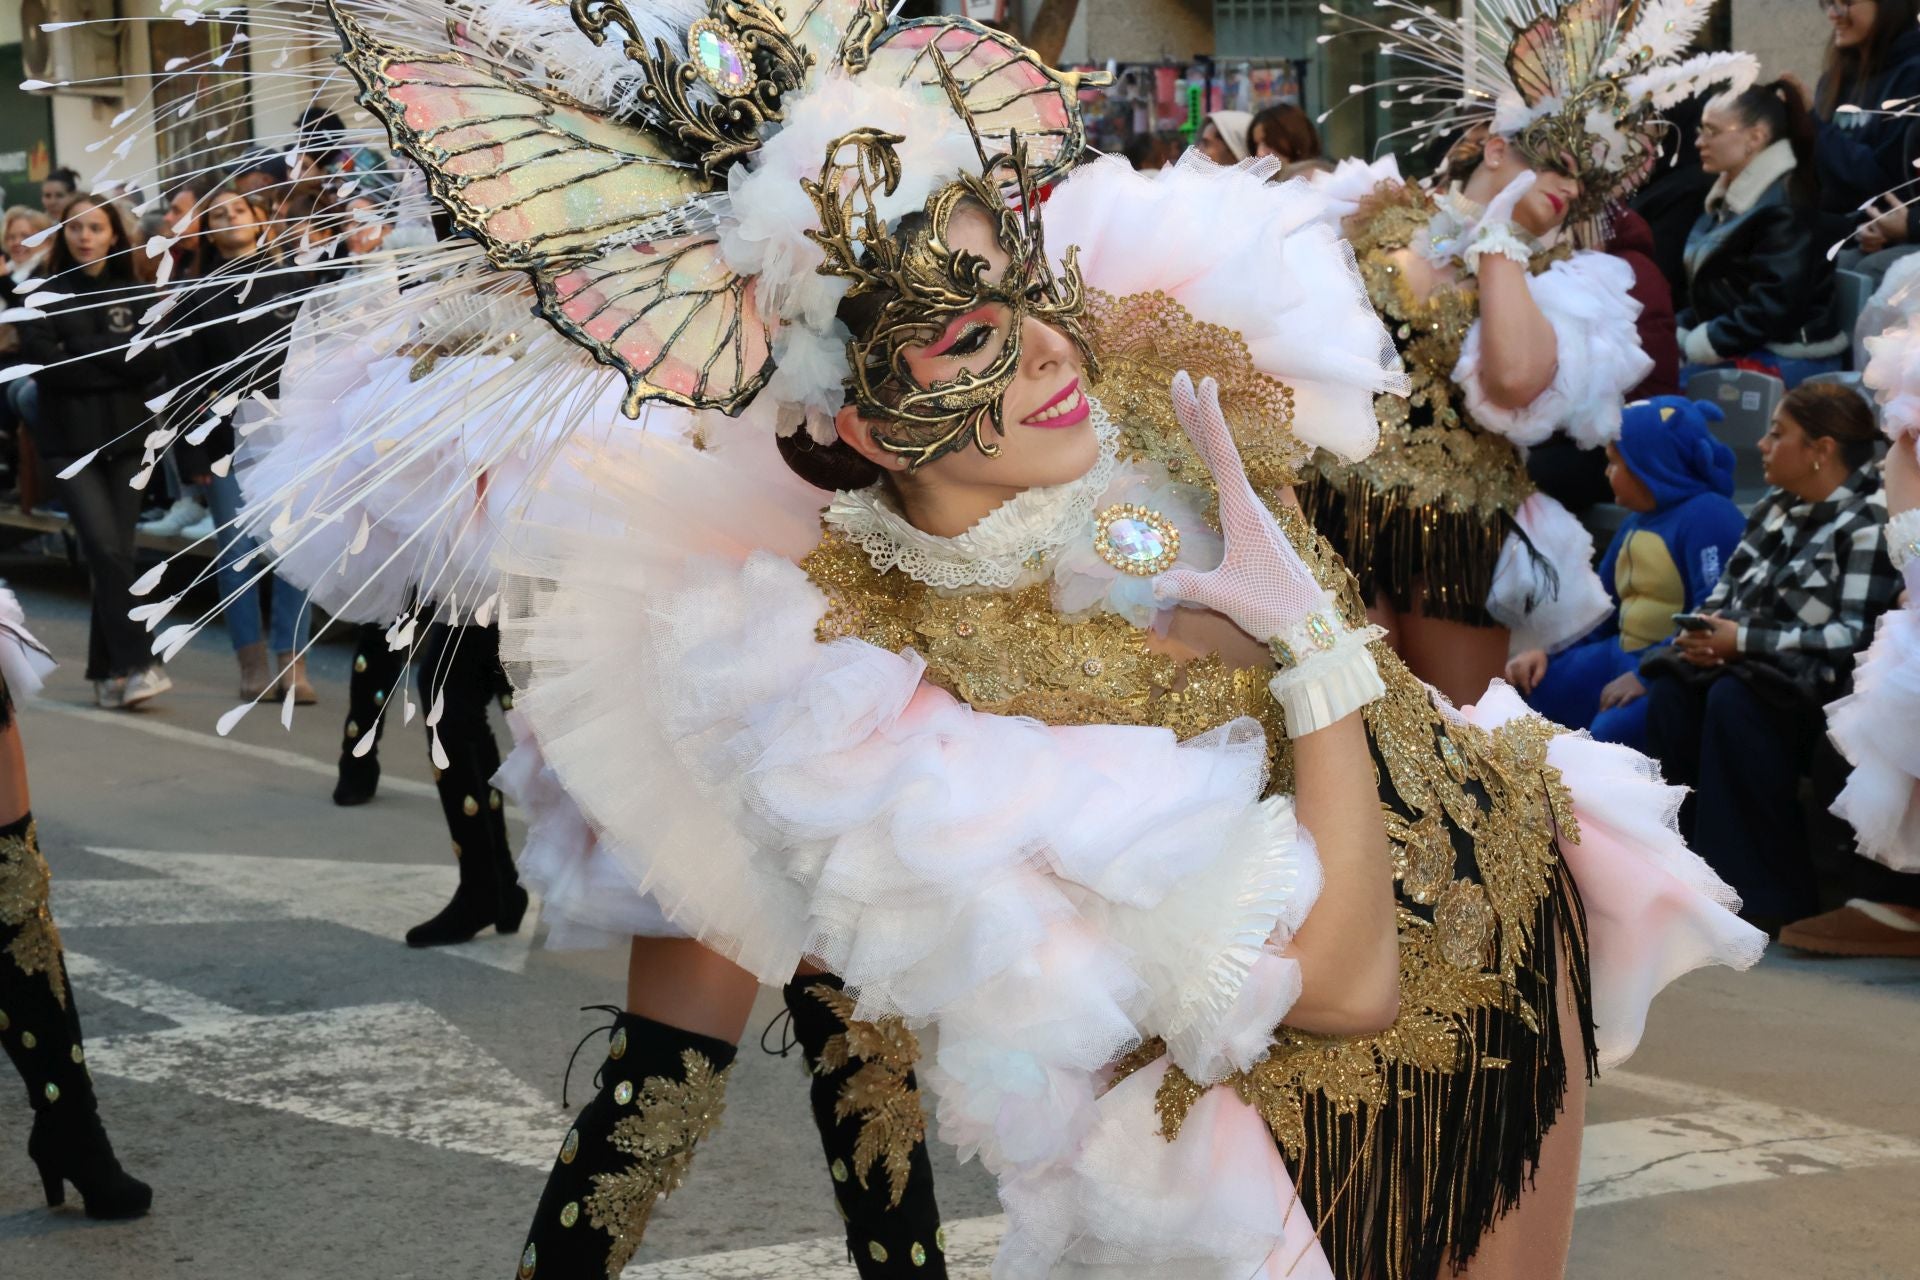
x,y
1496,232
1266,588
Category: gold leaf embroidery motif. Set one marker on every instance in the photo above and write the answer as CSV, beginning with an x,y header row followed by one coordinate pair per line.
x,y
878,1092
1430,454
24,879
671,1117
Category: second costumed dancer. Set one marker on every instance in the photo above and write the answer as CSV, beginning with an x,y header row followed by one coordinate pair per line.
x,y
1510,331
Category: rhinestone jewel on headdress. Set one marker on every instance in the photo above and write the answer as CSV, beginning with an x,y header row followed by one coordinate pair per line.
x,y
718,58
1136,540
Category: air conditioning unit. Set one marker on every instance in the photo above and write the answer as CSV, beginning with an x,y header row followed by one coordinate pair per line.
x,y
86,60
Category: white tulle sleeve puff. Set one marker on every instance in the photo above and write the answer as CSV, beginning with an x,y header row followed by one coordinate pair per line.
x,y
1037,899
1262,259
1588,300
1877,726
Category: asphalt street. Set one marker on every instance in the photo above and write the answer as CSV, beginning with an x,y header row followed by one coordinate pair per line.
x,y
312,1099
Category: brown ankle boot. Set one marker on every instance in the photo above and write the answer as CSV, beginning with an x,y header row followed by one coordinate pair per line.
x,y
256,678
293,670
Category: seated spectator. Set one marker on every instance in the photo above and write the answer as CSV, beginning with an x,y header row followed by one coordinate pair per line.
x,y
1287,132
1677,480
92,392
1892,228
1759,285
1873,58
1223,139
1735,710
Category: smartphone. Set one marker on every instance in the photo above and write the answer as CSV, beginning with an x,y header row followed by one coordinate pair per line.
x,y
1693,622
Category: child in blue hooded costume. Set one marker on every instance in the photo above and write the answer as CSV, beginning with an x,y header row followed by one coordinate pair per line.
x,y
1677,480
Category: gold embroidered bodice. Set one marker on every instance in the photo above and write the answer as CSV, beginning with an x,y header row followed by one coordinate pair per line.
x,y
1431,453
1471,815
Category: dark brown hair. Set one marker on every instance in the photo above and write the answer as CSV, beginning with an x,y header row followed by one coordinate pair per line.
x,y
1829,411
1779,106
828,466
1849,70
63,260
1288,131
839,465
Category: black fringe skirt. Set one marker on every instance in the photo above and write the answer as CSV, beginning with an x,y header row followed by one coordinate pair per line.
x,y
1406,1191
1398,549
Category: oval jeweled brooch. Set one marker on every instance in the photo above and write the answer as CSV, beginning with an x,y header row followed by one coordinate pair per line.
x,y
1136,540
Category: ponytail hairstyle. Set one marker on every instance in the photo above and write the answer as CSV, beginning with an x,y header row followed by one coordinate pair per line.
x,y
1778,107
1829,411
1848,71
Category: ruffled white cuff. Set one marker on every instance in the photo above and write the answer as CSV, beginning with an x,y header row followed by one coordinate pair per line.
x,y
1501,240
1326,672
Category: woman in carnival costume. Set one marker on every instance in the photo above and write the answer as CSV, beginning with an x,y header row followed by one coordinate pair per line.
x,y
1068,742
1511,323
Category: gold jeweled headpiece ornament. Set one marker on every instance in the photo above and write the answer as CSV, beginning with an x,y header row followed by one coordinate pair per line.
x,y
922,283
631,221
1577,85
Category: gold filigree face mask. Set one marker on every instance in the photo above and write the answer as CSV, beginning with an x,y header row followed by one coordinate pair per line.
x,y
921,283
1607,164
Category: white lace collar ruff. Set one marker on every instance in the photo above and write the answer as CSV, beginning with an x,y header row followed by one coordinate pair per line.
x,y
1012,542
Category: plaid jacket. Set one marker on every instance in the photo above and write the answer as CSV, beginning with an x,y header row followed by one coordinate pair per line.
x,y
1809,579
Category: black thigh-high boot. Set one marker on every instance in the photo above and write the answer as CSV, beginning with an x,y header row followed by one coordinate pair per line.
x,y
867,1107
376,670
660,1091
40,1030
460,667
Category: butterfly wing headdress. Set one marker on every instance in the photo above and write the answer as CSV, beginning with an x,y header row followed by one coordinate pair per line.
x,y
564,190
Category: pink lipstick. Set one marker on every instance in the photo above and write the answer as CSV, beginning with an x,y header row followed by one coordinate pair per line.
x,y
1068,408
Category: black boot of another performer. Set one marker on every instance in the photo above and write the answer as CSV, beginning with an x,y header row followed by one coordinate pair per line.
x,y
376,669
460,669
660,1091
40,1030
867,1107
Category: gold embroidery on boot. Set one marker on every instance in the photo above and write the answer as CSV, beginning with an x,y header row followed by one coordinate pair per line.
x,y
888,1107
23,906
672,1117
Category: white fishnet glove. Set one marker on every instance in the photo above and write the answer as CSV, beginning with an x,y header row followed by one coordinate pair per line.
x,y
1496,232
1266,588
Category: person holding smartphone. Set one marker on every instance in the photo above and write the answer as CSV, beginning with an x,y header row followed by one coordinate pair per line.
x,y
1736,710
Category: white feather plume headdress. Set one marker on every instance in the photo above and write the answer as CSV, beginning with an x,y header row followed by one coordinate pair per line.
x,y
1578,84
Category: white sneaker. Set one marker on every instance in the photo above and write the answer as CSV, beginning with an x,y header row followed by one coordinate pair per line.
x,y
150,683
201,528
182,513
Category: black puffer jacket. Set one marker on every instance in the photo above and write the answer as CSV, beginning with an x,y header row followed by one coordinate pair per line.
x,y
98,401
225,327
1859,153
1757,271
